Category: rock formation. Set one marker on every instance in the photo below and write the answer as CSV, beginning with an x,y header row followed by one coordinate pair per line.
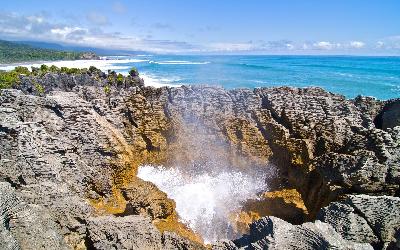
x,y
69,157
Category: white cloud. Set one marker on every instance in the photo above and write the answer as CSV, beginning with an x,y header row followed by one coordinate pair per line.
x,y
65,31
324,45
290,46
380,44
391,42
357,44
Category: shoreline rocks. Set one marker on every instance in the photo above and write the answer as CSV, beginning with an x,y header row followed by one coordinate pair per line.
x,y
73,150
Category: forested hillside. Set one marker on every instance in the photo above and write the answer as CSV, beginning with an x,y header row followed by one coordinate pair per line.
x,y
11,52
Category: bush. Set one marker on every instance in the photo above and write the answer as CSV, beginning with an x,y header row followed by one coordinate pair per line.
x,y
44,68
107,89
8,79
70,70
54,69
110,79
22,70
93,69
35,70
120,78
133,72
39,88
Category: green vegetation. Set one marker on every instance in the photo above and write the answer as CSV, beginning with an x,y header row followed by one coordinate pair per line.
x,y
107,89
120,79
133,72
39,88
54,69
70,70
22,70
11,52
8,79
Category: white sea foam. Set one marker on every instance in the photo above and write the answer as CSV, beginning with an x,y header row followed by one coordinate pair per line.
x,y
204,201
179,62
151,80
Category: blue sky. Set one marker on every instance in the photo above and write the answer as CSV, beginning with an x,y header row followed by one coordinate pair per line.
x,y
211,26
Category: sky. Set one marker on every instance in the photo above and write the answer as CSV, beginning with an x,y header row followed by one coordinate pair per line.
x,y
360,27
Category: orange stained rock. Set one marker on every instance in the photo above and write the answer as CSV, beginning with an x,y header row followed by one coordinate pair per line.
x,y
171,224
289,196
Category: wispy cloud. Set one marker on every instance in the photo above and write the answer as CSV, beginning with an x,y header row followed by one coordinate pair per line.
x,y
97,18
324,45
357,44
42,27
37,27
389,43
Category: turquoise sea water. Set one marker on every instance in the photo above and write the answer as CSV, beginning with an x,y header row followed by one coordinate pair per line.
x,y
350,76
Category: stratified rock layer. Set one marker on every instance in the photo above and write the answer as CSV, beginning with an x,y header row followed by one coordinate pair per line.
x,y
71,154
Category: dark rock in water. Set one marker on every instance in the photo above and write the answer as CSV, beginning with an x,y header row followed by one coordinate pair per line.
x,y
69,155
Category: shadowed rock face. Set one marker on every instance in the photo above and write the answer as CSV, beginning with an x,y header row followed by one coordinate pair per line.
x,y
74,153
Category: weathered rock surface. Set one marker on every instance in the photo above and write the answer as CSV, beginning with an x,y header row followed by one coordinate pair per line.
x,y
61,155
26,226
274,233
73,151
132,232
363,218
358,222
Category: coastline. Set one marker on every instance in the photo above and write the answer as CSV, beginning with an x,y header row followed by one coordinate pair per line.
x,y
348,76
102,64
210,110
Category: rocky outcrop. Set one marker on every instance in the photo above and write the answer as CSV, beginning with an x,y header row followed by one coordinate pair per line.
x,y
369,219
359,222
71,148
132,232
274,233
60,154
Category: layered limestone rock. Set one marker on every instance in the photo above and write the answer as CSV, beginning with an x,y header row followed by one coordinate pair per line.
x,y
73,150
60,154
359,222
274,233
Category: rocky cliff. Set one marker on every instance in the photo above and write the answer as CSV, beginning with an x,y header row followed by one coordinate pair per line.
x,y
71,148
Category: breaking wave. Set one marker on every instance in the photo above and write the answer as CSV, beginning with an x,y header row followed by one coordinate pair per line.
x,y
178,62
205,201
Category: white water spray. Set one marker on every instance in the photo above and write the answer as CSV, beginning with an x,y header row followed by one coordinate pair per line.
x,y
204,201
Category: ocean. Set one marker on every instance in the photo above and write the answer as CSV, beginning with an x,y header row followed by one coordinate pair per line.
x,y
348,75
351,76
